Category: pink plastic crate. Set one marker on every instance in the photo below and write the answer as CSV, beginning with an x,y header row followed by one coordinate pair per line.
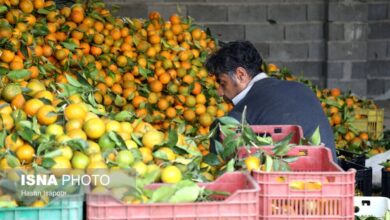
x,y
278,132
241,204
316,188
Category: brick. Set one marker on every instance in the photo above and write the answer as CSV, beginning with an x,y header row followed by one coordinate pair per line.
x,y
335,70
227,32
263,49
377,11
335,31
375,87
355,31
137,10
379,30
304,32
316,12
306,68
264,32
359,70
282,13
379,69
245,1
376,50
288,51
358,86
247,13
167,10
347,51
208,13
317,50
348,12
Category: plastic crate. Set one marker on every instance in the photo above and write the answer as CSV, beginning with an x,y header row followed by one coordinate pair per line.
x,y
322,189
363,177
241,204
385,183
372,123
371,206
358,158
68,207
278,132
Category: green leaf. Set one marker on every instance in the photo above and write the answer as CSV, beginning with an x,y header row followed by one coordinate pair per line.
x,y
315,138
124,116
162,194
333,103
77,144
69,45
43,11
19,74
291,159
212,159
186,194
3,135
172,138
227,131
3,9
12,161
227,120
160,155
230,165
136,139
268,163
282,147
117,139
26,133
73,81
48,162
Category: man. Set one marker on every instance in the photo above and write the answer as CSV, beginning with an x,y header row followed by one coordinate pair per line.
x,y
269,101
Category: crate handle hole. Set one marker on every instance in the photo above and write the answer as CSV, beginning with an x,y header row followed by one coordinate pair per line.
x,y
278,130
331,179
263,134
366,202
302,152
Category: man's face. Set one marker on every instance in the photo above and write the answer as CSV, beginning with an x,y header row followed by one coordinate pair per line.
x,y
228,87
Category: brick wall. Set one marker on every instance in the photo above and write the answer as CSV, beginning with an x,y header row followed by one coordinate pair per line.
x,y
335,43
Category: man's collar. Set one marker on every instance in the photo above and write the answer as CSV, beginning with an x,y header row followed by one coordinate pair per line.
x,y
243,93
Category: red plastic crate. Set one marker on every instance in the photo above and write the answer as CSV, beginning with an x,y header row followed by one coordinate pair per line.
x,y
241,204
278,132
322,189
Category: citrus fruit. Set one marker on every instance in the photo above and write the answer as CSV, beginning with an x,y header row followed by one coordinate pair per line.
x,y
252,163
54,129
124,158
171,174
152,138
106,143
94,128
25,153
80,160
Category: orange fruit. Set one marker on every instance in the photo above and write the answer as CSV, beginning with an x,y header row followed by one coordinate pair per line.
x,y
6,122
252,163
205,119
75,111
32,106
10,91
152,138
47,115
94,128
7,56
25,153
364,136
77,133
189,115
156,86
13,142
335,92
171,174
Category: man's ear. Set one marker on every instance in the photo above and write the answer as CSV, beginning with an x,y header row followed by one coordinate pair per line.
x,y
242,75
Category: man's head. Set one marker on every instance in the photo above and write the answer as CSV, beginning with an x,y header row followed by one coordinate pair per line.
x,y
234,65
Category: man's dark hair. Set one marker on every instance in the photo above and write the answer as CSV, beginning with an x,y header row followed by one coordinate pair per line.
x,y
233,55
